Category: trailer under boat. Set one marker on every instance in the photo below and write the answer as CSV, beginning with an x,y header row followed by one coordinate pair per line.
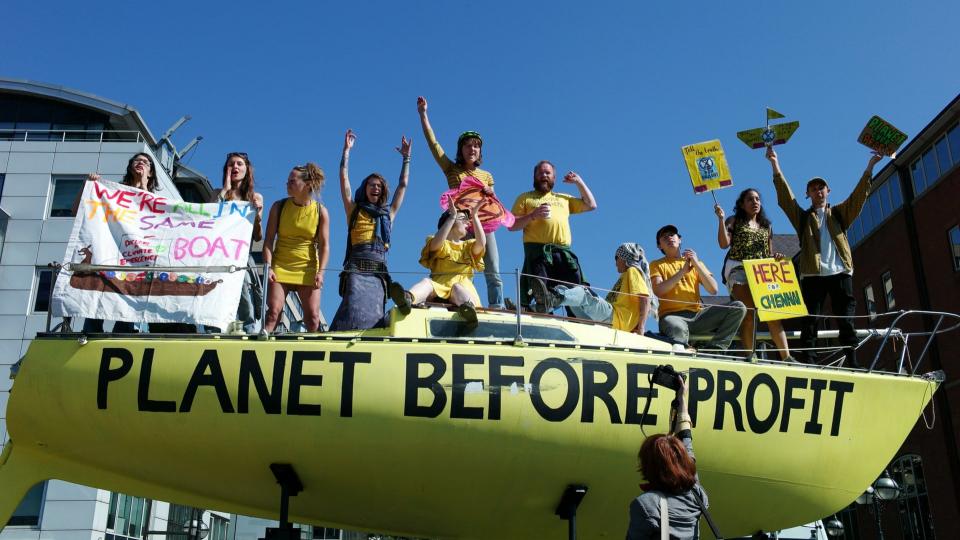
x,y
420,430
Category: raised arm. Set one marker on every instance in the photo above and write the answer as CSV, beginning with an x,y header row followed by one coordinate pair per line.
x,y
851,208
585,195
398,195
539,212
438,239
723,232
788,203
435,147
270,236
345,193
480,244
323,246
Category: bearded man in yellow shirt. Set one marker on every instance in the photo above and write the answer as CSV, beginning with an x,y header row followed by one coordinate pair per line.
x,y
544,217
676,279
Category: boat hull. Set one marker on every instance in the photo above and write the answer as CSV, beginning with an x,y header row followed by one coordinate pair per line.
x,y
441,439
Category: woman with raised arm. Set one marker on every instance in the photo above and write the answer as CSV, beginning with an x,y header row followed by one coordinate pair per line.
x,y
670,470
238,185
451,261
297,246
467,163
749,235
365,279
141,173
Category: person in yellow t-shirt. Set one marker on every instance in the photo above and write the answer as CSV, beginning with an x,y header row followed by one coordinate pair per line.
x,y
466,163
676,279
451,261
626,307
544,217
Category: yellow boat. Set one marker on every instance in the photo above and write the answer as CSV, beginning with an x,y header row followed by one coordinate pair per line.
x,y
418,430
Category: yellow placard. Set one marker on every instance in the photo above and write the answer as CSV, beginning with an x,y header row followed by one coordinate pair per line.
x,y
707,166
775,287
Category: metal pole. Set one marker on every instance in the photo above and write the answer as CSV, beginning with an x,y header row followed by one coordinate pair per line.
x,y
572,527
263,300
930,339
519,337
53,283
876,512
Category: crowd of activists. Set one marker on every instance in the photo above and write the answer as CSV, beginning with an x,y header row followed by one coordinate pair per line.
x,y
296,248
297,232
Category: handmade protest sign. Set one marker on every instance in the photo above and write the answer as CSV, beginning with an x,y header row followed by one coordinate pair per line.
x,y
775,288
881,136
468,194
118,225
768,136
707,165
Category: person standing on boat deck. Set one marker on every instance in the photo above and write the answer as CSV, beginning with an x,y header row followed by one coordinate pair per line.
x,y
141,173
669,467
749,235
364,280
451,261
627,305
826,263
467,163
238,185
297,246
676,279
544,216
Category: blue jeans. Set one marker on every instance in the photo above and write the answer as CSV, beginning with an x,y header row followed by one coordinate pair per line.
x,y
491,272
585,305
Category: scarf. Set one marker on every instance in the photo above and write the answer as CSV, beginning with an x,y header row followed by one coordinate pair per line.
x,y
380,214
632,255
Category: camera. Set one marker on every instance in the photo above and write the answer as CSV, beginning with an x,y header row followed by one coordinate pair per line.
x,y
667,377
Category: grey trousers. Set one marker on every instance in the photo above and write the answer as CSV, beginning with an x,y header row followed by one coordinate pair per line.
x,y
720,322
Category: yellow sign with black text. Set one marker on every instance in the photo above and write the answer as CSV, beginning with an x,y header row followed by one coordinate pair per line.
x,y
775,287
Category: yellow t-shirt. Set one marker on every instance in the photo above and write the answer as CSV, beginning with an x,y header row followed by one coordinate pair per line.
x,y
556,228
686,293
626,308
362,231
453,263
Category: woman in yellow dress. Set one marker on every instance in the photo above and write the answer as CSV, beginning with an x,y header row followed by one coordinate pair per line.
x,y
297,247
452,262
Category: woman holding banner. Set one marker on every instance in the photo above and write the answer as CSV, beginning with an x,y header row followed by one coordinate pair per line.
x,y
238,186
297,246
749,235
141,173
365,279
466,164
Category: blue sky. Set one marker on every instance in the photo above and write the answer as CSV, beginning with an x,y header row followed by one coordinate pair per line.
x,y
610,90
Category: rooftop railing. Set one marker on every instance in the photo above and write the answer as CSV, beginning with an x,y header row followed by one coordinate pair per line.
x,y
70,135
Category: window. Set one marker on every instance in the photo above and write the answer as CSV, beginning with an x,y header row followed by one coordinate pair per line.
x,y
41,296
943,154
919,182
896,195
65,191
127,517
218,527
3,178
954,239
930,169
493,330
179,517
916,519
876,207
853,232
28,513
869,301
325,533
953,137
888,291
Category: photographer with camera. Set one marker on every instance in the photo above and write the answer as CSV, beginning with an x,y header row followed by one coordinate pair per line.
x,y
672,498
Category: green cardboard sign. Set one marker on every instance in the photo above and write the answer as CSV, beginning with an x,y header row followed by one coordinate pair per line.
x,y
881,136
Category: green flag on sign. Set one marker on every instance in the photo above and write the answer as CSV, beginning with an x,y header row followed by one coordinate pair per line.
x,y
771,114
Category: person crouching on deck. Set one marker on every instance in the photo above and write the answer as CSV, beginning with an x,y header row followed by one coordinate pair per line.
x,y
452,262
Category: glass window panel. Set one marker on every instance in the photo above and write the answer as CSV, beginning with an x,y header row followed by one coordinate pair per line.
x,y
896,195
28,513
930,169
953,137
867,218
3,178
870,301
888,291
855,231
943,154
65,191
41,296
954,237
877,208
919,182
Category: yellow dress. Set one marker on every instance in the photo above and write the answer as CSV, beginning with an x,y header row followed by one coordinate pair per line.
x,y
451,264
294,254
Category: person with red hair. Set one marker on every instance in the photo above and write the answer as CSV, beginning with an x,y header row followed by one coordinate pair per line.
x,y
670,470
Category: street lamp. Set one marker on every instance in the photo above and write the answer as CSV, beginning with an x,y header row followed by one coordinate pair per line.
x,y
833,526
883,489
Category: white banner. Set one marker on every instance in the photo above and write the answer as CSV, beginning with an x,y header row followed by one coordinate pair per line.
x,y
124,226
